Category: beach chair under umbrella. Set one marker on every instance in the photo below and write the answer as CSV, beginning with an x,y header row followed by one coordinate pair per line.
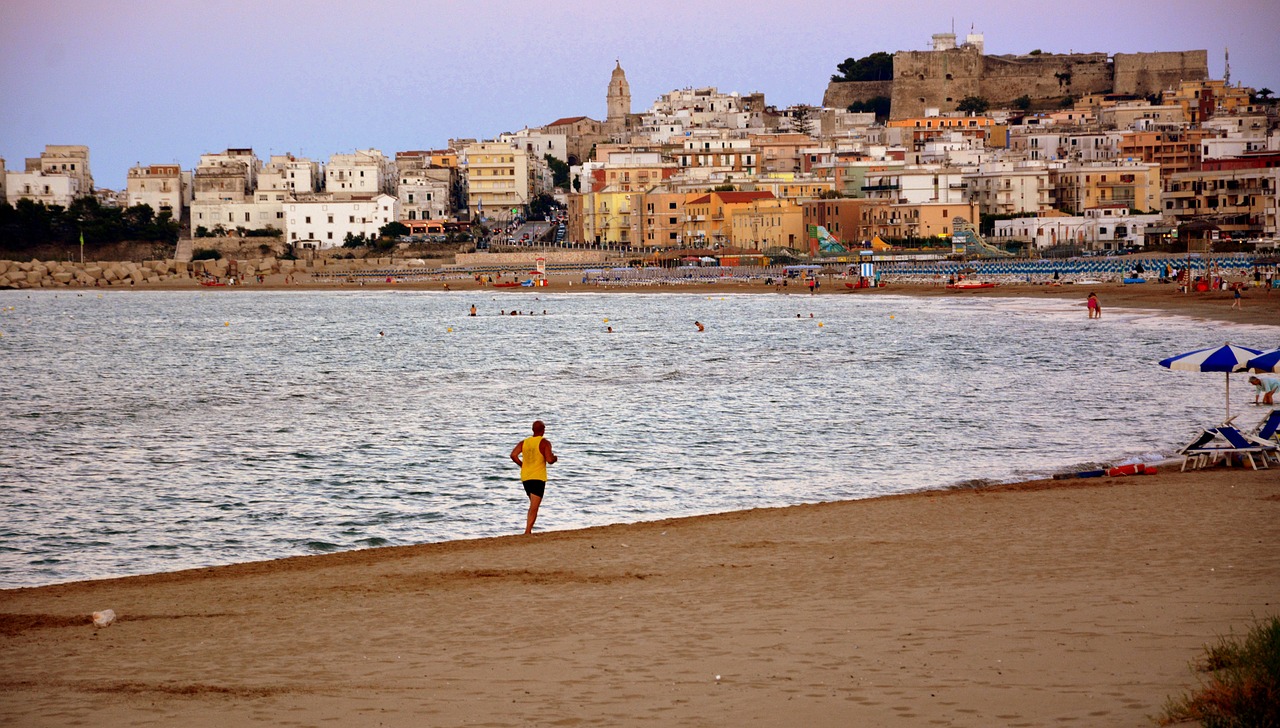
x,y
1226,358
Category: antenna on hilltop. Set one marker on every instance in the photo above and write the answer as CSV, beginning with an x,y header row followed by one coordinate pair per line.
x,y
1227,75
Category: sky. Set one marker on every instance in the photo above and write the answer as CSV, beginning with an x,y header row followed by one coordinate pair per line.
x,y
162,82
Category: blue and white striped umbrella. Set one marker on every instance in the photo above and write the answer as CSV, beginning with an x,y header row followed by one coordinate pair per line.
x,y
1225,358
1268,361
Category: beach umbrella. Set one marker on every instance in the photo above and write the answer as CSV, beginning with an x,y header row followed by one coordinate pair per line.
x,y
1268,361
1225,358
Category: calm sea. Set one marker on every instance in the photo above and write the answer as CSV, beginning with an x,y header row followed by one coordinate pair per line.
x,y
154,431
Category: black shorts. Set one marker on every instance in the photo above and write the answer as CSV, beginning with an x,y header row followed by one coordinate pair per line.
x,y
534,487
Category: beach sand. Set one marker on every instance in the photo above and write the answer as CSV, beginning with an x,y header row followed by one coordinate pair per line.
x,y
1077,602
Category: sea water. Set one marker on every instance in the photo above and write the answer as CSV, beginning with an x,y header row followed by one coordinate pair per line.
x,y
154,431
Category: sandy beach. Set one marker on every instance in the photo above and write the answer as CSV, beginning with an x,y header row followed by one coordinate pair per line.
x,y
1074,602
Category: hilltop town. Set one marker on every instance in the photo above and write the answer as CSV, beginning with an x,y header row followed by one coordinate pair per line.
x,y
1049,154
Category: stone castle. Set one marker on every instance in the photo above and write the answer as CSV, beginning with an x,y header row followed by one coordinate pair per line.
x,y
942,77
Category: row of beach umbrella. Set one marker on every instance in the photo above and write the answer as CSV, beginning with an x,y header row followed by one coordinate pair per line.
x,y
1227,358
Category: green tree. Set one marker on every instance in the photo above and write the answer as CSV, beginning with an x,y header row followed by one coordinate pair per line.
x,y
723,188
541,205
876,67
802,118
1022,103
878,105
973,105
393,229
559,171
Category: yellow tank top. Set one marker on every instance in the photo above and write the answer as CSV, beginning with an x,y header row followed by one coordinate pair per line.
x,y
535,466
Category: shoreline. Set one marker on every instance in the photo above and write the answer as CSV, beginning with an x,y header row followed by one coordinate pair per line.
x,y
1258,307
1000,603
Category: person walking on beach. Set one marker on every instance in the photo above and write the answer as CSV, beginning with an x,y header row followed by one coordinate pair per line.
x,y
533,455
1266,388
1095,309
1236,298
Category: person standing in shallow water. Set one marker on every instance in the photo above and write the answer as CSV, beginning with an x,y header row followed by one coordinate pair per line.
x,y
533,455
1095,309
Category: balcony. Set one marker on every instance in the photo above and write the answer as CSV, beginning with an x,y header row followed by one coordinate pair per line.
x,y
879,188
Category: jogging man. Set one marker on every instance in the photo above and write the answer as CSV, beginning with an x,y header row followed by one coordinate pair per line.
x,y
533,455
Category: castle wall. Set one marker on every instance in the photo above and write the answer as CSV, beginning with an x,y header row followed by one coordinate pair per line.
x,y
1048,76
1152,73
842,93
939,79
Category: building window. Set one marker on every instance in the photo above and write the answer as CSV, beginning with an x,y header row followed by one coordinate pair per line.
x,y
308,219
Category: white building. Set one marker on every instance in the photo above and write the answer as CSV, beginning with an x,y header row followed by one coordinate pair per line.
x,y
917,185
59,175
424,191
228,176
1109,227
538,143
284,172
162,187
325,220
1007,188
36,186
366,172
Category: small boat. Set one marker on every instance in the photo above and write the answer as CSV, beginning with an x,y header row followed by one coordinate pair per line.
x,y
963,285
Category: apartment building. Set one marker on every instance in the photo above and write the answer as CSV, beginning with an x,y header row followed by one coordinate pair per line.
x,y
1109,227
780,152
425,191
609,218
57,177
162,187
660,212
633,171
767,223
364,173
708,218
917,184
1200,101
912,133
847,220
919,220
289,174
324,220
223,194
1241,202
1082,186
1009,188
717,151
500,178
1175,151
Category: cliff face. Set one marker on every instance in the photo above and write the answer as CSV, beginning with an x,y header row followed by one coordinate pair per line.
x,y
940,79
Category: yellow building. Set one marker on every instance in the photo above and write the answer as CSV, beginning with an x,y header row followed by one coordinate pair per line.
x,y
1133,184
608,218
1202,100
708,218
766,223
499,179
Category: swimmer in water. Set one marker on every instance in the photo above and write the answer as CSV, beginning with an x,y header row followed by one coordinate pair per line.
x,y
699,325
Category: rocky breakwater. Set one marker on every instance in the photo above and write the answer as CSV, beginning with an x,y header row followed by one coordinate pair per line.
x,y
55,273
60,274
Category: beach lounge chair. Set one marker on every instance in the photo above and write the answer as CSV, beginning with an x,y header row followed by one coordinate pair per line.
x,y
1268,429
1224,441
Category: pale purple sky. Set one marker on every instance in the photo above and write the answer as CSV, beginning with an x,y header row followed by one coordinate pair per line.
x,y
163,82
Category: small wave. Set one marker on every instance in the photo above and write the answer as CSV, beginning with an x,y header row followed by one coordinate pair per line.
x,y
321,546
373,541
